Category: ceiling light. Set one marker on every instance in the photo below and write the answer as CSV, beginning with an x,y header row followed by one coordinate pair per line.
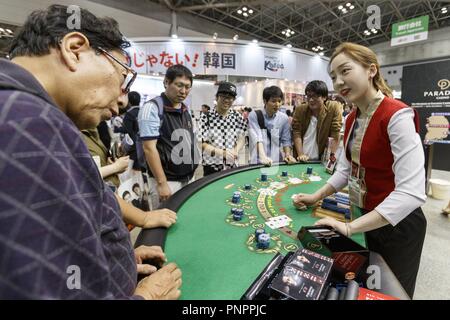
x,y
292,32
289,45
375,31
352,7
2,30
215,35
8,30
283,32
235,37
344,10
321,54
250,11
244,8
444,9
245,14
255,41
240,11
174,36
340,7
348,4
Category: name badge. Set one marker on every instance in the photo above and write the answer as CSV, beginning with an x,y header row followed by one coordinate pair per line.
x,y
357,186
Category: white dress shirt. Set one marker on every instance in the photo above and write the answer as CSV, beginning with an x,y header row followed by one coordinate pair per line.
x,y
310,147
408,168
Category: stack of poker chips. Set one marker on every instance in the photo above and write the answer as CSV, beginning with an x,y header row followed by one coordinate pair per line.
x,y
339,202
248,187
262,238
264,177
284,174
236,197
309,170
237,213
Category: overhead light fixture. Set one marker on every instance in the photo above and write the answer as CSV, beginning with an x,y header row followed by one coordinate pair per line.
x,y
235,37
320,53
344,10
2,30
174,36
340,7
352,7
289,45
8,30
215,35
255,41
245,11
288,32
348,4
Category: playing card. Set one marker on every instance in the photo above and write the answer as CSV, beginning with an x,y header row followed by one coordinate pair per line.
x,y
295,180
315,178
280,221
277,185
271,224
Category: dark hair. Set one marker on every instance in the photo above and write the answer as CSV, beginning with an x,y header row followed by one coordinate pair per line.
x,y
124,194
43,30
317,87
178,70
288,113
341,100
136,185
272,92
206,106
134,98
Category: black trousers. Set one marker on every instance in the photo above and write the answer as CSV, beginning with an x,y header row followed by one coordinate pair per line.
x,y
401,247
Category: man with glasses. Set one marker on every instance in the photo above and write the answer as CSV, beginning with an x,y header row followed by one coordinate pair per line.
x,y
167,145
314,122
222,132
62,235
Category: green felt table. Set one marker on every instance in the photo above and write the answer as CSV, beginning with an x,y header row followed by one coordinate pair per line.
x,y
217,255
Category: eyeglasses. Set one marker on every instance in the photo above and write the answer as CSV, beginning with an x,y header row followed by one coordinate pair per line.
x,y
131,75
226,97
312,96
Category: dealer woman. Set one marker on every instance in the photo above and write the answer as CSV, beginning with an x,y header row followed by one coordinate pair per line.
x,y
383,165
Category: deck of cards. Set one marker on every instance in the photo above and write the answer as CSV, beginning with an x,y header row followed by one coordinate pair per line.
x,y
278,222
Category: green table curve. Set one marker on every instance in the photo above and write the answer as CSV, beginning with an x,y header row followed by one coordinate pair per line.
x,y
218,259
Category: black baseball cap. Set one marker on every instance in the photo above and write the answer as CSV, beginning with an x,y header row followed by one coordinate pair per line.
x,y
228,88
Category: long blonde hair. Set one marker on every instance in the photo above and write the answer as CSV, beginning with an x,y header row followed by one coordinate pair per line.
x,y
365,57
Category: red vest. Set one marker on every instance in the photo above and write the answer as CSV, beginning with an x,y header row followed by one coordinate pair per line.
x,y
376,156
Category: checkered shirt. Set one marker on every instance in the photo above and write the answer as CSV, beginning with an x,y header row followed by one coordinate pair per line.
x,y
221,132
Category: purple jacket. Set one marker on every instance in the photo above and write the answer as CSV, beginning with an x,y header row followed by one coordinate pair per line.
x,y
61,230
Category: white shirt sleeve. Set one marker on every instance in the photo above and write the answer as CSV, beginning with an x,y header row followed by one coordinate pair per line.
x,y
339,179
408,167
254,129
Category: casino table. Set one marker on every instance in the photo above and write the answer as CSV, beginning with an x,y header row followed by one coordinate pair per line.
x,y
218,255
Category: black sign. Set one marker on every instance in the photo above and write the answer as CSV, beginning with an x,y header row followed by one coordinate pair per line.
x,y
426,87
